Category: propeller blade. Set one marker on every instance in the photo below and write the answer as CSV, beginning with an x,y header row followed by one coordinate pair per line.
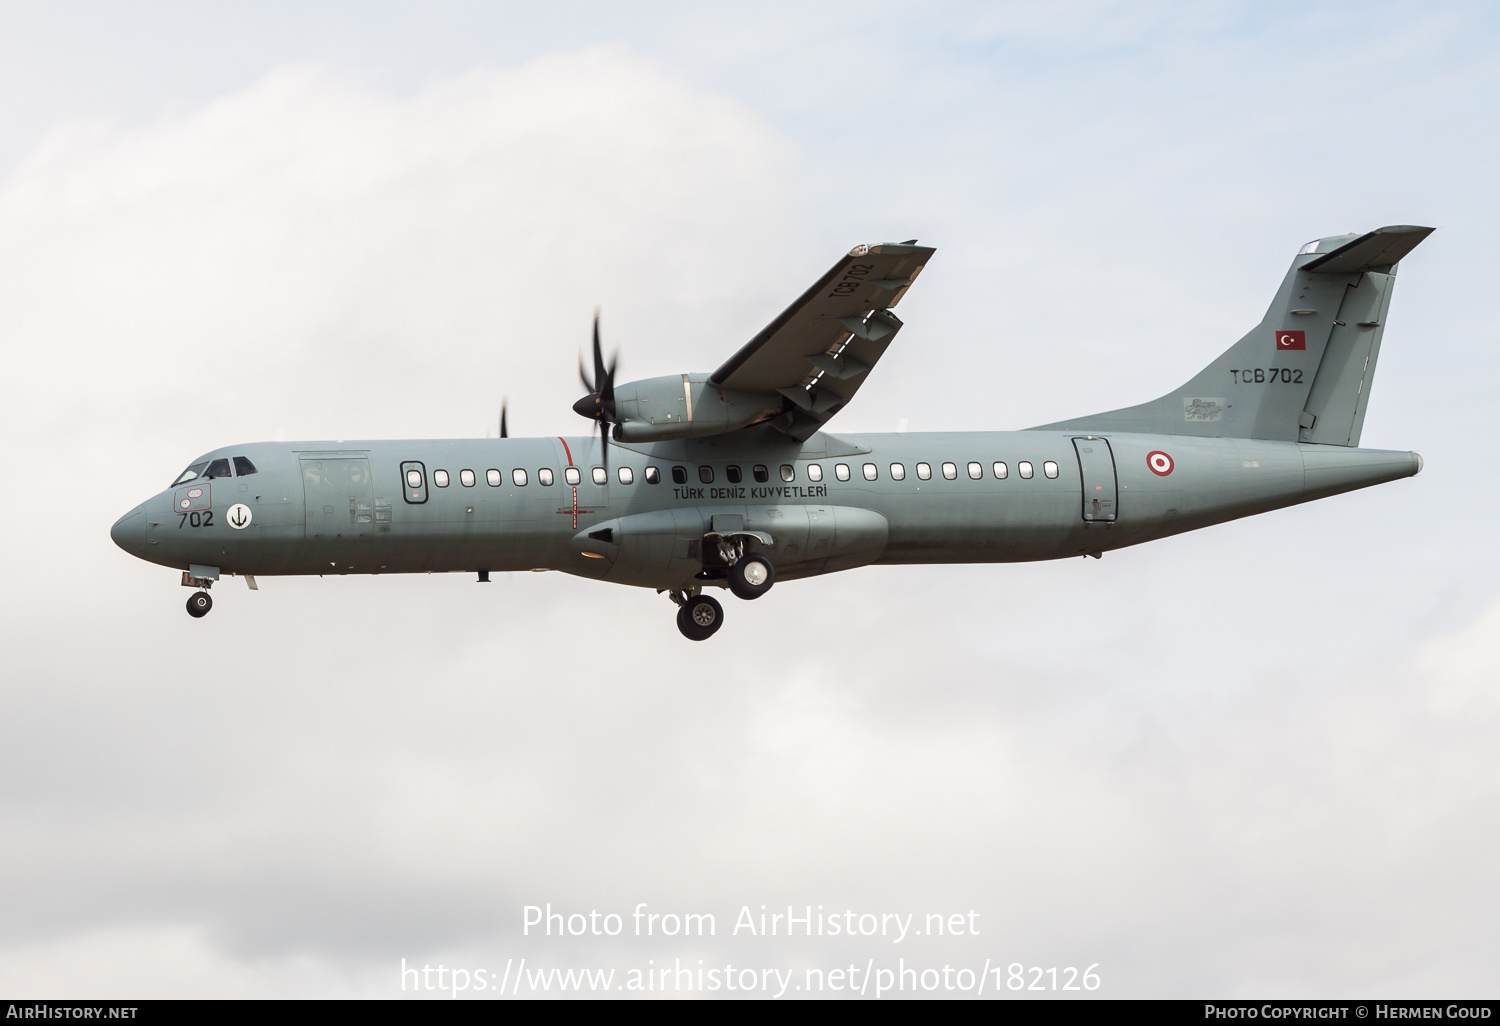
x,y
583,376
504,402
604,445
601,374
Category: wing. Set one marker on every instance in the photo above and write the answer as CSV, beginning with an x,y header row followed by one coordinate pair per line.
x,y
818,352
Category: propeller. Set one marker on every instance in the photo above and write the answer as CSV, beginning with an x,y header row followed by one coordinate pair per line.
x,y
504,402
599,404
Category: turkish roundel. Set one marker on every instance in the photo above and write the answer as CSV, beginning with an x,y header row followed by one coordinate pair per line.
x,y
1286,340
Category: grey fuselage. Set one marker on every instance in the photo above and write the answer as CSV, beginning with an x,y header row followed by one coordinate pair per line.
x,y
345,508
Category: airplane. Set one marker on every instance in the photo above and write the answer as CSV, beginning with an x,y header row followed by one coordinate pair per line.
x,y
728,480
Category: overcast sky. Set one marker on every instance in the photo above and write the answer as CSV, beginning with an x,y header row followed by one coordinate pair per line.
x,y
1257,760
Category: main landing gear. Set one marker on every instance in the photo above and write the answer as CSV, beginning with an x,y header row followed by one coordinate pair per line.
x,y
699,616
199,603
751,577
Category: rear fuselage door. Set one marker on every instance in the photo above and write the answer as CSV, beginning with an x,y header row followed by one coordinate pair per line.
x,y
340,498
1097,465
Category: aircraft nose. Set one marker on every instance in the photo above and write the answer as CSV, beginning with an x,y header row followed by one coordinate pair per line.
x,y
129,532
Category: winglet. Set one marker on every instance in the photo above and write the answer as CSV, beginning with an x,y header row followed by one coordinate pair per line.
x,y
1373,251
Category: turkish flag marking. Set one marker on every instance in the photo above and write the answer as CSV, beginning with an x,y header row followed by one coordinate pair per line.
x,y
1291,340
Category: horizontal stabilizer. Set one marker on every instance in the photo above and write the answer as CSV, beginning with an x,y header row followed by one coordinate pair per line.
x,y
1373,251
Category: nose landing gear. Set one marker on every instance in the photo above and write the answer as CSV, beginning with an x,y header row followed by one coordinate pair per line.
x,y
199,603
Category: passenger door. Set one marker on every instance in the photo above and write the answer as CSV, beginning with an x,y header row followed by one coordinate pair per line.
x,y
1096,462
340,498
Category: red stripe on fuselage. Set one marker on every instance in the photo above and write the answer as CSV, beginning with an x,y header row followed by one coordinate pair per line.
x,y
564,441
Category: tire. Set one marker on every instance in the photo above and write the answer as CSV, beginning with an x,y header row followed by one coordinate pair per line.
x,y
752,577
199,603
699,618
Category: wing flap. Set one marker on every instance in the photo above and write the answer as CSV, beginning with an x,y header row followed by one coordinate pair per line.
x,y
870,278
819,350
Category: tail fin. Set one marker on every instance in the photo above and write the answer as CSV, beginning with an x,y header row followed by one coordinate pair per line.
x,y
1303,374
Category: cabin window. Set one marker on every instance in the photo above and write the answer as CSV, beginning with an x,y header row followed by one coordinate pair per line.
x,y
544,476
815,472
440,478
218,468
841,471
706,475
627,476
572,476
1001,470
733,473
243,467
788,472
1025,469
975,471
653,476
924,471
950,471
679,475
600,477
871,473
760,473
519,477
898,472
492,478
414,479
466,478
190,473
1049,468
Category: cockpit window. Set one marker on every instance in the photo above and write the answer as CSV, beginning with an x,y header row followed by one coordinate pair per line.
x,y
243,467
190,473
218,468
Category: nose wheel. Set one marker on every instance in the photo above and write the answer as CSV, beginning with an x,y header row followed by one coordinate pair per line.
x,y
699,617
198,604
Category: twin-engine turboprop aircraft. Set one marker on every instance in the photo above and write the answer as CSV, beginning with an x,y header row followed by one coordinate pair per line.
x,y
728,480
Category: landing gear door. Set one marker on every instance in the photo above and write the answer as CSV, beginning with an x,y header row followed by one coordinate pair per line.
x,y
340,498
1096,464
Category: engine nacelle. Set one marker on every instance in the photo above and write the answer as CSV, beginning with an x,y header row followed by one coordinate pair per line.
x,y
686,406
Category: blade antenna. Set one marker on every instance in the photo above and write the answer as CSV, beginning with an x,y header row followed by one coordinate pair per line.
x,y
504,402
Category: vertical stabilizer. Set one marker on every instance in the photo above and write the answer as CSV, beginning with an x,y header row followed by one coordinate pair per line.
x,y
1303,373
